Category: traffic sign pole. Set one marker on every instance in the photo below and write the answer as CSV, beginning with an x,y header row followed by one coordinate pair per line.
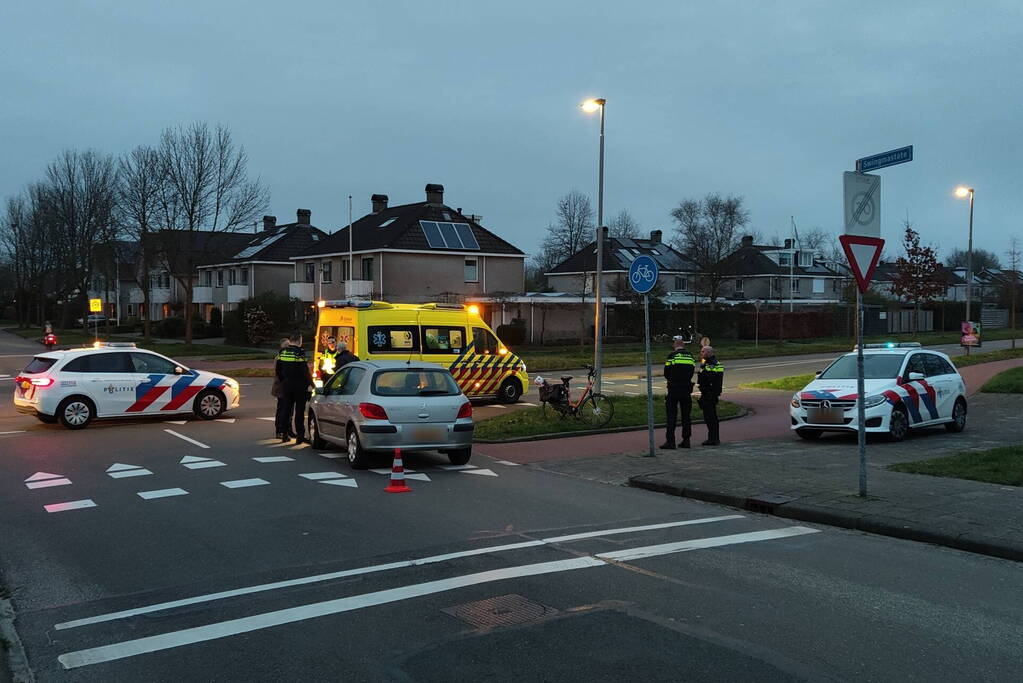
x,y
649,379
861,412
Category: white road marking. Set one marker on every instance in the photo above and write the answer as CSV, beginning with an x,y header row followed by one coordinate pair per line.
x,y
299,446
631,393
508,463
632,385
43,475
204,464
182,436
323,475
47,483
161,493
256,622
498,405
484,472
228,420
351,483
16,431
331,456
248,384
527,403
70,505
243,483
274,458
457,467
417,477
176,422
193,458
268,419
140,472
434,559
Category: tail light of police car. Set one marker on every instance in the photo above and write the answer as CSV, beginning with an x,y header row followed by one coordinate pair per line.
x,y
41,382
465,410
372,411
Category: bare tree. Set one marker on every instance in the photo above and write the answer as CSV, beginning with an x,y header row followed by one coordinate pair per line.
x,y
707,230
623,225
572,229
209,191
982,258
1014,262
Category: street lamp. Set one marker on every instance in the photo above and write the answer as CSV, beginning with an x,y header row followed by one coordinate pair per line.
x,y
962,192
590,106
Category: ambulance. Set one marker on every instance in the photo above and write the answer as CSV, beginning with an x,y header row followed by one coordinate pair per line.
x,y
451,335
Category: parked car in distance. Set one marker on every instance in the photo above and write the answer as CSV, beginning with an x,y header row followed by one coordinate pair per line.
x,y
95,319
376,406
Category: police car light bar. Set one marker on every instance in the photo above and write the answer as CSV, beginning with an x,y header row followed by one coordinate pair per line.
x,y
891,345
112,345
344,303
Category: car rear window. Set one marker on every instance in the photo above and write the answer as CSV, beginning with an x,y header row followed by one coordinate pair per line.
x,y
414,382
39,365
875,366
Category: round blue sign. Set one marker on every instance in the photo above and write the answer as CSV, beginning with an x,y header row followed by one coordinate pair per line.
x,y
643,274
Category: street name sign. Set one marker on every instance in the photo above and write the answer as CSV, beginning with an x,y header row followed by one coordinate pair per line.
x,y
643,274
863,254
889,158
862,194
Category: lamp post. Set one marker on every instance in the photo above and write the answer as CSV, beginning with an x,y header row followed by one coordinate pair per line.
x,y
963,192
590,106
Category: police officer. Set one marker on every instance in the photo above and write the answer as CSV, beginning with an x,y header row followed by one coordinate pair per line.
x,y
344,356
292,371
328,360
711,377
678,370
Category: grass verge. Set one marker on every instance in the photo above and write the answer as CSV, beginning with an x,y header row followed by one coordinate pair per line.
x,y
246,372
986,357
629,411
1008,382
790,383
997,466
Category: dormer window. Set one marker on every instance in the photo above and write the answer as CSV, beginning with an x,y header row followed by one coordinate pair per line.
x,y
784,258
805,259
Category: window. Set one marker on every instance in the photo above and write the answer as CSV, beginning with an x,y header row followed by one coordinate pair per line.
x,y
818,286
367,268
936,365
39,365
220,278
484,342
388,222
680,284
109,363
244,273
207,278
471,270
738,287
776,285
393,338
346,269
795,285
326,271
80,364
335,382
805,259
232,276
784,258
875,366
915,364
352,380
151,364
310,272
341,334
443,339
414,382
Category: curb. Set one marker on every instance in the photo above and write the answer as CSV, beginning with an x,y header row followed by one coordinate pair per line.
x,y
17,661
873,524
592,432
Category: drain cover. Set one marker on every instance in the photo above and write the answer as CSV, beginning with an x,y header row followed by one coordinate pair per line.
x,y
503,610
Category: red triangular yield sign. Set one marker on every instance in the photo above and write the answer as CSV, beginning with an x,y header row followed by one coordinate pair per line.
x,y
863,254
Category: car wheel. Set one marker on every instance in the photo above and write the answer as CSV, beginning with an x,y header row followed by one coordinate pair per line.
x,y
958,422
315,440
76,412
898,424
357,456
809,434
209,405
460,456
510,391
46,419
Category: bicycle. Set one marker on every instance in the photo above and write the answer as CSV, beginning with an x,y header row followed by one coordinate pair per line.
x,y
594,409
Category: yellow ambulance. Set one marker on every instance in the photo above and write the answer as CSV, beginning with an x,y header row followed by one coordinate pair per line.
x,y
450,335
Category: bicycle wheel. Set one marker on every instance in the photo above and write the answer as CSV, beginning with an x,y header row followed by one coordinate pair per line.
x,y
596,411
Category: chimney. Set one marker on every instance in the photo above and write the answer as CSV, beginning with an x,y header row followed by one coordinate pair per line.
x,y
304,216
655,236
435,194
747,240
379,202
788,243
269,222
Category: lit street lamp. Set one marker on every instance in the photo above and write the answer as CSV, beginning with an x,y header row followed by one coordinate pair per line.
x,y
962,192
590,106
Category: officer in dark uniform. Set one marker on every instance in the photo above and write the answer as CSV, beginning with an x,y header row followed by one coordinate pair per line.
x,y
678,370
328,360
710,379
292,371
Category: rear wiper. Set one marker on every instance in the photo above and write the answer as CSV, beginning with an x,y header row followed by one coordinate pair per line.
x,y
433,392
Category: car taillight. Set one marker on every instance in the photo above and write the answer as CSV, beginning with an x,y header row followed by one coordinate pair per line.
x,y
372,411
465,410
35,381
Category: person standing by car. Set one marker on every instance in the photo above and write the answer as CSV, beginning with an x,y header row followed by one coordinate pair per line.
x,y
678,370
344,356
710,380
292,370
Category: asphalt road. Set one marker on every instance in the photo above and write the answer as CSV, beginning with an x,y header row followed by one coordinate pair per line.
x,y
297,568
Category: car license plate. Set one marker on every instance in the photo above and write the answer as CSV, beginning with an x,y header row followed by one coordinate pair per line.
x,y
427,433
824,416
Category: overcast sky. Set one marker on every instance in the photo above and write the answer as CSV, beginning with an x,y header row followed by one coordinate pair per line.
x,y
771,101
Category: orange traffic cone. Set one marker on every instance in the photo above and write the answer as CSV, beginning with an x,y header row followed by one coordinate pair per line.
x,y
397,484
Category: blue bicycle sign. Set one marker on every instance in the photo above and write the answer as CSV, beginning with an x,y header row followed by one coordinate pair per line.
x,y
643,274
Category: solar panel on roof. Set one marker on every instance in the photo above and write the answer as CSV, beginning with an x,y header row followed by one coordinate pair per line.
x,y
258,246
625,256
626,242
464,231
450,236
433,236
443,235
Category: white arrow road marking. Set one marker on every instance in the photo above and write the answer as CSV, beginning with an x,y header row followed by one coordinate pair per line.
x,y
119,470
43,475
182,436
16,431
351,483
274,458
323,475
457,467
243,483
433,559
256,622
177,422
331,456
193,458
417,477
47,483
388,470
228,420
484,472
508,463
161,493
204,465
268,419
70,505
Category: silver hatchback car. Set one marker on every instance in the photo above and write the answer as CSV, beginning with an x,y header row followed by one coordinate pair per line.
x,y
376,406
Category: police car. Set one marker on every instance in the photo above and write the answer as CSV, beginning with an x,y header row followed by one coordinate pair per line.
x,y
905,386
117,380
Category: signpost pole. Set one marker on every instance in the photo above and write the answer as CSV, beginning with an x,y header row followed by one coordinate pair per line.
x,y
649,379
861,428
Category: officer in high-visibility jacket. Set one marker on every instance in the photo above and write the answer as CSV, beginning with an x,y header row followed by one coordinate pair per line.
x,y
292,371
328,360
710,380
678,370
